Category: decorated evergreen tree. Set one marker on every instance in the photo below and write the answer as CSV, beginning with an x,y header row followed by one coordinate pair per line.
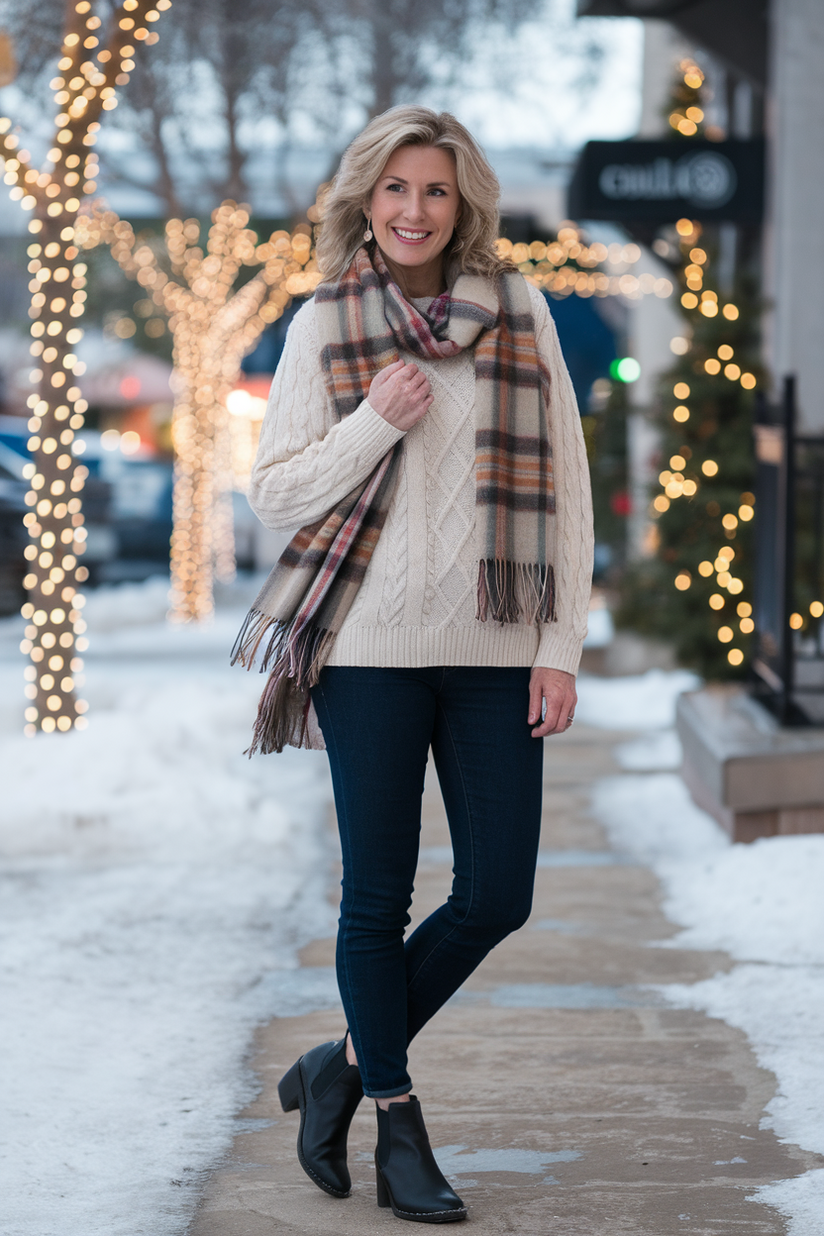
x,y
697,589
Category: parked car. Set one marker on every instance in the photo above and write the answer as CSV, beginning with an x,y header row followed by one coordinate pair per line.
x,y
141,516
13,535
127,505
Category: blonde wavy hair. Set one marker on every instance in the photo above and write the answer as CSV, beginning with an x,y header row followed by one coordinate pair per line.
x,y
342,204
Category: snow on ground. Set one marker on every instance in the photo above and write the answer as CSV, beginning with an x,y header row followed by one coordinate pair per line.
x,y
641,702
155,886
761,903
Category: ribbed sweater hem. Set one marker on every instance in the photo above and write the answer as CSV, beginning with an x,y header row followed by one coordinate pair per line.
x,y
418,647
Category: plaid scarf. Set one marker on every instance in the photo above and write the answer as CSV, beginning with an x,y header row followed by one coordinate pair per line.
x,y
364,322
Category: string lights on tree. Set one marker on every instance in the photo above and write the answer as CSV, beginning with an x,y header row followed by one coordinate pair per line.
x,y
702,516
568,265
213,323
89,73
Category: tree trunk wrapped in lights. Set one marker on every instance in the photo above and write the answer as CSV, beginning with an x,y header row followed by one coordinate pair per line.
x,y
213,326
85,87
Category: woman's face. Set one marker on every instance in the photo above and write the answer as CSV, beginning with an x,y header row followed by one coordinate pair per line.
x,y
414,207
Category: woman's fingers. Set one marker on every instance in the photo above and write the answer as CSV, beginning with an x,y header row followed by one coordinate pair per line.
x,y
401,394
553,692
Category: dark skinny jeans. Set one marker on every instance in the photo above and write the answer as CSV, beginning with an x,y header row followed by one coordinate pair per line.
x,y
379,725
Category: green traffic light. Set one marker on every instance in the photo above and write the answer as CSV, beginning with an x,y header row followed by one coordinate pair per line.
x,y
625,369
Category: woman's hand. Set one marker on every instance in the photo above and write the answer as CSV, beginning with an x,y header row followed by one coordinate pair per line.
x,y
400,393
558,689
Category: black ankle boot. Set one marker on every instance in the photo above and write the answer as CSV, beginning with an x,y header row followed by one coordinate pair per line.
x,y
327,1090
409,1179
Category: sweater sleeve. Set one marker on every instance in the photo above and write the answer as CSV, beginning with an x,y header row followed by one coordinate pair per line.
x,y
307,459
561,641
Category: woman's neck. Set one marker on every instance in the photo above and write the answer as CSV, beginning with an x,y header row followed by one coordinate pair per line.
x,y
417,282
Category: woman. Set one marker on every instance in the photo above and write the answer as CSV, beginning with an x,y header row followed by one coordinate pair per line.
x,y
423,431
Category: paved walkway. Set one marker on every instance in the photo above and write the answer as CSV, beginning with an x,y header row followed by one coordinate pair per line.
x,y
561,1095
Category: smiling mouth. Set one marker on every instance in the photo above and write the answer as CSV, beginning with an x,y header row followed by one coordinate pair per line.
x,y
410,237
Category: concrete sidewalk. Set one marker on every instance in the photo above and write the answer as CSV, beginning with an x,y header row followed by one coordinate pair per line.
x,y
561,1095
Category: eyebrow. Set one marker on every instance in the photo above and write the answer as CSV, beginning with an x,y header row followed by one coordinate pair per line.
x,y
433,184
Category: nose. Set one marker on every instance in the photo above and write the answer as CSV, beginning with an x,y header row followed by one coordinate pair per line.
x,y
414,205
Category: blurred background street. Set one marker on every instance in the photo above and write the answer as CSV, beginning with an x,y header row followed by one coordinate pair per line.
x,y
166,904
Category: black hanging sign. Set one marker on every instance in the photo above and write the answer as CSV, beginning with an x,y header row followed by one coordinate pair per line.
x,y
659,182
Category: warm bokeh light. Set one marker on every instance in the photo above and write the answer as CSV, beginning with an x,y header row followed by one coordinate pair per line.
x,y
192,280
570,265
53,612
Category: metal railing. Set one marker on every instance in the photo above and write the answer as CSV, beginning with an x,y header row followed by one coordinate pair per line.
x,y
788,666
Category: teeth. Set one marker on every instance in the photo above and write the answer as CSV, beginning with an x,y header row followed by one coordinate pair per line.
x,y
411,235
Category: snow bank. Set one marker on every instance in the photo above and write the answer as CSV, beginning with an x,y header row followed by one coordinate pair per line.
x,y
127,605
762,903
642,702
155,885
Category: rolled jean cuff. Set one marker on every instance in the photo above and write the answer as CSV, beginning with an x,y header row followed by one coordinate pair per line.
x,y
387,1094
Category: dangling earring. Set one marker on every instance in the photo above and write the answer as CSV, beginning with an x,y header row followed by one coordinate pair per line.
x,y
367,236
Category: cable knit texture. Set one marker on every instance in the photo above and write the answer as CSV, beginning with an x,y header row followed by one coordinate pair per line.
x,y
417,603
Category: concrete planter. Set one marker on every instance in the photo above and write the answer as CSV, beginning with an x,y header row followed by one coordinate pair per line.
x,y
755,778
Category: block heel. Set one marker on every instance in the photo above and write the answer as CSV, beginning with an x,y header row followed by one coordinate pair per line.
x,y
290,1089
327,1089
384,1199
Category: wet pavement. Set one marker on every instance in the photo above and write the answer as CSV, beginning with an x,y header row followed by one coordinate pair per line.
x,y
561,1092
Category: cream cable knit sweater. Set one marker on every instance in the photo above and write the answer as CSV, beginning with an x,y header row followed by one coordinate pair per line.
x,y
416,605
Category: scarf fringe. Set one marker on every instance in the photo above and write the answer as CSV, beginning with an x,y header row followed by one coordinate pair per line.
x,y
282,716
296,661
249,637
515,591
